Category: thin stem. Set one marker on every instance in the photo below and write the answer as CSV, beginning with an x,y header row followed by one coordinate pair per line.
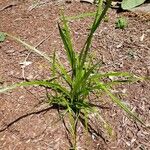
x,y
75,130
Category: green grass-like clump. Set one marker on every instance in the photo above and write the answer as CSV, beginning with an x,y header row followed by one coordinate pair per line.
x,y
72,87
121,23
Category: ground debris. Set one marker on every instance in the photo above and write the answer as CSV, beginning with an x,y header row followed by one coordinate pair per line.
x,y
9,5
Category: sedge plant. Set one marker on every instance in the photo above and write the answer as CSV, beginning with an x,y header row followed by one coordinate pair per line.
x,y
71,87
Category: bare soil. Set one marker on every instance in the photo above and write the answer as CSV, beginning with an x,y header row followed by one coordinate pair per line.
x,y
26,121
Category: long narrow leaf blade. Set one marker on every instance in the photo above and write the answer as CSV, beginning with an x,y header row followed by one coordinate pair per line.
x,y
121,104
65,36
32,48
98,18
48,84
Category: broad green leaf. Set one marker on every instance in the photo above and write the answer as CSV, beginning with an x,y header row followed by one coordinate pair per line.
x,y
2,37
129,4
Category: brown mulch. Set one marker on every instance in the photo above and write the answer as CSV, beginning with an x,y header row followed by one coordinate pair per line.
x,y
39,127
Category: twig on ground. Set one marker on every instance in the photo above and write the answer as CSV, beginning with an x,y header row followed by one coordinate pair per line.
x,y
8,6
